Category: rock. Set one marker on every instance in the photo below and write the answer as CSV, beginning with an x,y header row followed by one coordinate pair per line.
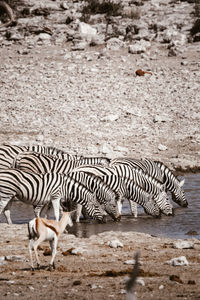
x,y
113,117
191,282
173,52
175,278
139,47
114,44
77,251
130,262
161,287
161,118
162,147
122,292
87,32
192,232
44,37
115,243
15,258
64,5
183,244
140,281
14,35
178,261
79,45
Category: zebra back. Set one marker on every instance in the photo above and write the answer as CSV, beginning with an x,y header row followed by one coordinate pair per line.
x,y
144,180
40,163
28,187
96,185
9,152
147,166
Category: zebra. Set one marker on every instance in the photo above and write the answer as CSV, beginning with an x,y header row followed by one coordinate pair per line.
x,y
145,181
125,187
161,172
40,163
104,194
41,189
9,152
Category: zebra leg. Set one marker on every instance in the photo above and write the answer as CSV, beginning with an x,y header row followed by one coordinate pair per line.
x,y
133,207
78,212
56,207
7,212
4,206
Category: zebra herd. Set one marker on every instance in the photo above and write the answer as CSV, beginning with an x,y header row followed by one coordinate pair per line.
x,y
42,176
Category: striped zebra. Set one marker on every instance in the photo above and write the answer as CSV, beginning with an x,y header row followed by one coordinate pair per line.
x,y
161,172
104,194
127,189
146,182
9,152
41,164
41,189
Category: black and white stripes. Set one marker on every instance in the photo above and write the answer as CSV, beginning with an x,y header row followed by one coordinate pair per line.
x,y
32,173
41,189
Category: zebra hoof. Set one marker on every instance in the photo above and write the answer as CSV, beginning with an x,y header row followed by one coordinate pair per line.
x,y
118,219
51,267
103,220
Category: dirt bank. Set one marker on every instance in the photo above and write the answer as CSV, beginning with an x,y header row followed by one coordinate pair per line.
x,y
98,271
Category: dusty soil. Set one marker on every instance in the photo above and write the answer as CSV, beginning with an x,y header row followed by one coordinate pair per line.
x,y
92,103
97,271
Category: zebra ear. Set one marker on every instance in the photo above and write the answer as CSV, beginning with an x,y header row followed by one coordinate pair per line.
x,y
182,182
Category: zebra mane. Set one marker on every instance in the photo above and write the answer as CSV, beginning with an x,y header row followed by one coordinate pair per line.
x,y
167,169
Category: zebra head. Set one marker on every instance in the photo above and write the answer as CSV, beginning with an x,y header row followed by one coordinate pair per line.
x,y
178,194
112,210
164,204
95,211
151,207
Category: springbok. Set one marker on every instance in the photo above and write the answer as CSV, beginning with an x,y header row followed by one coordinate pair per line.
x,y
47,230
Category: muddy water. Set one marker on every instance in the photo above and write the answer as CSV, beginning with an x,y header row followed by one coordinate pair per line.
x,y
178,226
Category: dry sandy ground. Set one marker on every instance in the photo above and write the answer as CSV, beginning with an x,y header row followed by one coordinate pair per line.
x,y
93,104
97,271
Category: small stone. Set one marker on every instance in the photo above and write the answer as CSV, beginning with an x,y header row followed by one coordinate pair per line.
x,y
77,282
161,287
178,261
162,147
175,278
130,262
115,244
15,258
192,232
140,281
183,244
